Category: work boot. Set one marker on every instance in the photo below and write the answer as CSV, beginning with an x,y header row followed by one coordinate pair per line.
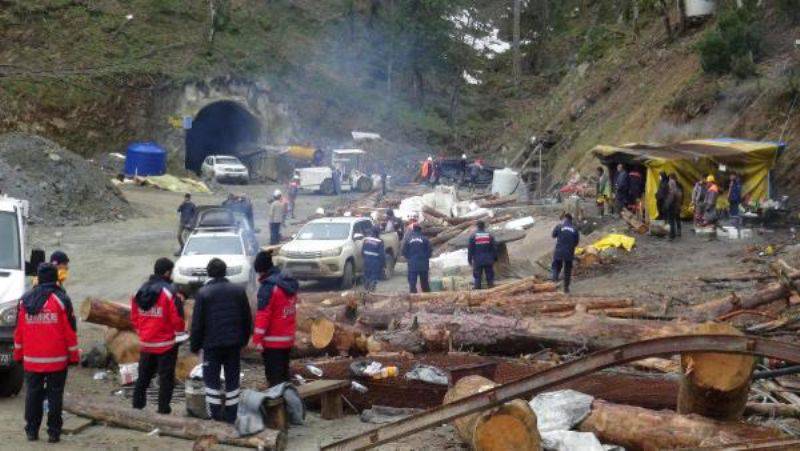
x,y
32,436
53,438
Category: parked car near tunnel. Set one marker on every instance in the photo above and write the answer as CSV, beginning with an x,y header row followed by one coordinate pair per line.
x,y
223,168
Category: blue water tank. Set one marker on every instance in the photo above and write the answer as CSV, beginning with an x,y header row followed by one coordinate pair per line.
x,y
145,158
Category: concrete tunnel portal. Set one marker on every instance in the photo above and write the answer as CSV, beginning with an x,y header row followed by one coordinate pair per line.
x,y
220,128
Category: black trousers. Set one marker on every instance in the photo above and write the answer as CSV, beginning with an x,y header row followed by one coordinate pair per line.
x,y
674,218
222,403
567,265
477,274
274,232
39,387
164,366
276,365
423,281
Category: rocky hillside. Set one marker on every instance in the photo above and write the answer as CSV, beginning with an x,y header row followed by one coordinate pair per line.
x,y
434,74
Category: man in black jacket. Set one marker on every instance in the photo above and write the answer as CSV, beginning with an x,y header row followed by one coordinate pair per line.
x,y
567,238
221,327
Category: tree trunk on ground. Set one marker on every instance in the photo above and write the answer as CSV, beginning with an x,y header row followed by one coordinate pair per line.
x,y
709,310
504,335
123,345
506,427
107,313
636,428
172,425
715,385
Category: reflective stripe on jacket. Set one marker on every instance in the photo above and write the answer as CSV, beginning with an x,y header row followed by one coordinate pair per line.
x,y
482,249
158,325
45,342
275,323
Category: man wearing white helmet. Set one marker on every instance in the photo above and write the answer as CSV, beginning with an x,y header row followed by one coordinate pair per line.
x,y
275,214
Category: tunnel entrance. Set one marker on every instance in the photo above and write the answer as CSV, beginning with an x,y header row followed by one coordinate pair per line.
x,y
221,128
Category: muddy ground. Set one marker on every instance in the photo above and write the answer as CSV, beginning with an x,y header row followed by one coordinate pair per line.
x,y
110,260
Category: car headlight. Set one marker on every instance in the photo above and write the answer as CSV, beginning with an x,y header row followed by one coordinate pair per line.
x,y
234,270
8,315
333,252
185,271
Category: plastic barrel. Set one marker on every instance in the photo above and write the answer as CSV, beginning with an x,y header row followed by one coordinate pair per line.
x,y
145,158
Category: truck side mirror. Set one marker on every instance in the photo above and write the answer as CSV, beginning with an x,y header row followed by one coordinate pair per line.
x,y
32,265
358,236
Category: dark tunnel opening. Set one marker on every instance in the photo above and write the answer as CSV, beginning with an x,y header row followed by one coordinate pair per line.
x,y
221,128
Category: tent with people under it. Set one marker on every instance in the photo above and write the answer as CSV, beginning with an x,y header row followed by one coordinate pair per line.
x,y
696,159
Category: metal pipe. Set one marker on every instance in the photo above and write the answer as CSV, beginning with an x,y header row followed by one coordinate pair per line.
x,y
547,379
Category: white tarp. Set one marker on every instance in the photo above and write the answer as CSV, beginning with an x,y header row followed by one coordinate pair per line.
x,y
410,207
441,199
520,224
449,260
559,411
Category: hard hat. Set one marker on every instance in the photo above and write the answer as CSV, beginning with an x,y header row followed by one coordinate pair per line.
x,y
430,158
297,177
276,193
463,156
321,211
711,179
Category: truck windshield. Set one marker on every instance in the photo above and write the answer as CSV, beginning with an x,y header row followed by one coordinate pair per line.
x,y
9,241
228,160
213,245
324,231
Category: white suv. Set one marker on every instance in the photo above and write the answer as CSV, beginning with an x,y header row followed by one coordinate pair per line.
x,y
228,245
330,248
224,168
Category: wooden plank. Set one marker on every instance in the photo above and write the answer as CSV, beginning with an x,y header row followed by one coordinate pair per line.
x,y
319,387
74,424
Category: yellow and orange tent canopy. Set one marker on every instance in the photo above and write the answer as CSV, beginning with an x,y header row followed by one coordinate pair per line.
x,y
695,159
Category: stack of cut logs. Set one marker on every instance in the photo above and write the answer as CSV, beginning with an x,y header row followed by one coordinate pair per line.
x,y
523,317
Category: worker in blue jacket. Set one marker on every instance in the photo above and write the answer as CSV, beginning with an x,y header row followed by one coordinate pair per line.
x,y
417,251
481,255
567,237
374,254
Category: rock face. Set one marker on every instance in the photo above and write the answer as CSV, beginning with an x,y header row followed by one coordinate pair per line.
x,y
62,187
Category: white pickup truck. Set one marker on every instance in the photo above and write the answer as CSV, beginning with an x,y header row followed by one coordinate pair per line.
x,y
12,286
330,249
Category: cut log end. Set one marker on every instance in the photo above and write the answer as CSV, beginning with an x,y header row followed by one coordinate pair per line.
x,y
715,385
322,330
509,426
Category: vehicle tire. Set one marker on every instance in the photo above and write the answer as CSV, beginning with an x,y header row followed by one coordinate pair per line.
x,y
348,278
326,187
388,269
364,184
11,380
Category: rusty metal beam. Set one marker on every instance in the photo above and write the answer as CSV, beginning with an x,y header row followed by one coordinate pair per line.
x,y
768,445
563,373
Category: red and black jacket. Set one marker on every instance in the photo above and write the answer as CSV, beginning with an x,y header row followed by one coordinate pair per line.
x,y
275,323
157,315
45,339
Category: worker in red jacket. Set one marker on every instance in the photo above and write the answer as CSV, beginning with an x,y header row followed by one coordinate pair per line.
x,y
46,342
275,323
157,317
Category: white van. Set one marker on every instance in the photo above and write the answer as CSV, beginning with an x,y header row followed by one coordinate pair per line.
x,y
12,286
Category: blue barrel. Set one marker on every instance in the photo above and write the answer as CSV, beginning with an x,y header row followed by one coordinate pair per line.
x,y
145,158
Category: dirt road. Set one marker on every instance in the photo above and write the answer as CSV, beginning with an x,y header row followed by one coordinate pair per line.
x,y
110,260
